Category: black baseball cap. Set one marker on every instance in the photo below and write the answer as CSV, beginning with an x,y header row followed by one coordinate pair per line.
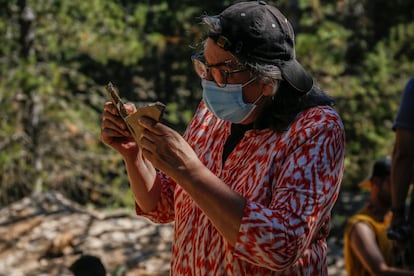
x,y
257,32
380,169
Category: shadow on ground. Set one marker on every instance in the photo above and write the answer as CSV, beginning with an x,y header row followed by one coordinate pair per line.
x,y
46,233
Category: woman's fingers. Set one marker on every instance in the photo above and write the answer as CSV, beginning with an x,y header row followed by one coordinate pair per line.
x,y
130,107
110,107
147,143
153,126
114,132
113,126
110,119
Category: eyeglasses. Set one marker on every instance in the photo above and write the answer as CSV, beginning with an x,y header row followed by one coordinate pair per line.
x,y
213,71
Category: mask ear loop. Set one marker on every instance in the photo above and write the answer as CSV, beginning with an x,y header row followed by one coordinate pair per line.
x,y
258,99
249,82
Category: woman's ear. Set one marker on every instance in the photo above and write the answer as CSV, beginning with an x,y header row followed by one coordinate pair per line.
x,y
269,88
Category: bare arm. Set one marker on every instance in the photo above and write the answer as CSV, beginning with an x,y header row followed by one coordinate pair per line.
x,y
142,178
141,173
364,244
221,204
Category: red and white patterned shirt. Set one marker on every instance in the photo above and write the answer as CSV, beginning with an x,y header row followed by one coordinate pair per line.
x,y
290,181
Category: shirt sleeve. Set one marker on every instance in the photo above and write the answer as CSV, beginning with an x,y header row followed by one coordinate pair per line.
x,y
164,211
405,113
307,186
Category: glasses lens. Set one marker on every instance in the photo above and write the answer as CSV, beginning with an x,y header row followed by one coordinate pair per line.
x,y
209,72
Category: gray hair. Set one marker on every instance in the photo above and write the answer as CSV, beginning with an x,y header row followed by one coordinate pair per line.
x,y
268,73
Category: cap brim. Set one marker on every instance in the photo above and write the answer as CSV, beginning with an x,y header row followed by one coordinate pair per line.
x,y
297,76
366,184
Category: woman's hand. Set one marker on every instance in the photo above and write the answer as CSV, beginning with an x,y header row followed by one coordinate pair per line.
x,y
115,133
167,150
141,173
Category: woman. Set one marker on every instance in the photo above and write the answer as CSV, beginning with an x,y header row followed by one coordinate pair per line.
x,y
251,184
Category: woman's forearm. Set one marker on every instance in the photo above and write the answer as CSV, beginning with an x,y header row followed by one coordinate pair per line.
x,y
144,185
223,206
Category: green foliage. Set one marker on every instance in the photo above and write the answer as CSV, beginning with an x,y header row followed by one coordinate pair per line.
x,y
370,101
323,52
57,56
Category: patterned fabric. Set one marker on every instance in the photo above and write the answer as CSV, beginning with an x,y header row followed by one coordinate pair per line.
x,y
291,182
352,264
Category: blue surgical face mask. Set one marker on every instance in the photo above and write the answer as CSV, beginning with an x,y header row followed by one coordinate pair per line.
x,y
227,102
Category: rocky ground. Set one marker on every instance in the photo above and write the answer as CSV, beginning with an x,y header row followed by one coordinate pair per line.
x,y
45,234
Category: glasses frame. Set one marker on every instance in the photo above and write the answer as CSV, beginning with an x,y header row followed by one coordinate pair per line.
x,y
199,60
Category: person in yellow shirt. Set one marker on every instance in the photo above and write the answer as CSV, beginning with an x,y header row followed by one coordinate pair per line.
x,y
367,250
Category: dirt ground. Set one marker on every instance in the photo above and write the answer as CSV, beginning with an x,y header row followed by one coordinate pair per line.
x,y
45,234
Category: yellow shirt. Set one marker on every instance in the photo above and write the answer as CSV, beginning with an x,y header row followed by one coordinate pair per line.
x,y
352,264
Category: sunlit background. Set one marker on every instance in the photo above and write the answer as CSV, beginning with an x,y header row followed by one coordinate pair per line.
x,y
57,56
